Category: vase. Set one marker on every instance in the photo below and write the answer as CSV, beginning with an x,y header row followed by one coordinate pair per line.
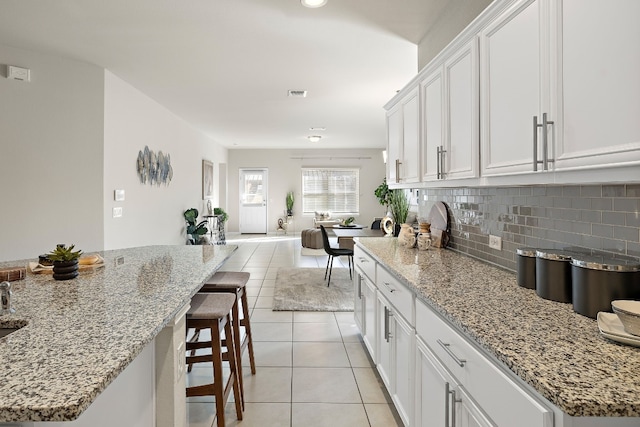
x,y
65,270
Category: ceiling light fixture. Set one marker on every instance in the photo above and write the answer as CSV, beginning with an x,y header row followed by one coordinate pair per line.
x,y
317,128
313,3
314,138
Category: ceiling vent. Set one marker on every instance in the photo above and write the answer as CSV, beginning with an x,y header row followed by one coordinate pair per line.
x,y
297,93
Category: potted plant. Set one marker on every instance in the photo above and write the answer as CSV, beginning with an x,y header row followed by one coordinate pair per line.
x,y
383,194
223,215
399,206
195,230
289,201
65,262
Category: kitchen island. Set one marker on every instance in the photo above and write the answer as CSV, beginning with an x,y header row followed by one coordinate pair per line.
x,y
77,336
553,351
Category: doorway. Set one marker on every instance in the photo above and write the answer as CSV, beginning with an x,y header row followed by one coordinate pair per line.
x,y
253,201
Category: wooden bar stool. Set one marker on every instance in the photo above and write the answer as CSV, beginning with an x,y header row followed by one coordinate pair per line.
x,y
213,312
235,282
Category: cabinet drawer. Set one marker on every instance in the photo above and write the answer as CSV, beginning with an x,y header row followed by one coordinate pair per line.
x,y
498,393
364,263
398,294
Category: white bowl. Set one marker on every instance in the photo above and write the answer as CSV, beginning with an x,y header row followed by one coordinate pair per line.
x,y
628,312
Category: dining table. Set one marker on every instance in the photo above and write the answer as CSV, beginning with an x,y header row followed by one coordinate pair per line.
x,y
346,234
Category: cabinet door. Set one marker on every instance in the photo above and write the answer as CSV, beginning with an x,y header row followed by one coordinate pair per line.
x,y
431,392
369,318
433,126
359,301
383,341
410,167
512,87
599,50
403,339
468,413
461,77
394,144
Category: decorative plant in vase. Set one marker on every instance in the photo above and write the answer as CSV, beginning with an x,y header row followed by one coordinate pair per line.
x,y
383,193
195,230
399,207
221,212
65,262
289,201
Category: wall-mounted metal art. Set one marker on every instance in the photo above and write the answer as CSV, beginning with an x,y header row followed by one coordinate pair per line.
x,y
154,168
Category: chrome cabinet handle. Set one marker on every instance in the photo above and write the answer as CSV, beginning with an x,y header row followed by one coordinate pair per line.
x,y
388,285
446,404
442,152
545,142
363,259
398,163
359,286
386,323
446,348
438,171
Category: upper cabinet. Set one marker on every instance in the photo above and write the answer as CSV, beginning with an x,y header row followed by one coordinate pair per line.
x,y
597,72
531,92
403,136
513,88
450,116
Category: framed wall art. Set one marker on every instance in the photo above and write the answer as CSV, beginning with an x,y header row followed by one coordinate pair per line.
x,y
207,179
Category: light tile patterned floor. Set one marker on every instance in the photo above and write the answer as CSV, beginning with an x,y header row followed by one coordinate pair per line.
x,y
312,368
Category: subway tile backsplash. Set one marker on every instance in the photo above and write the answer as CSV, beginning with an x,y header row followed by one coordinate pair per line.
x,y
601,217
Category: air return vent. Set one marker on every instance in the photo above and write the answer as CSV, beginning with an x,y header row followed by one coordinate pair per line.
x,y
297,93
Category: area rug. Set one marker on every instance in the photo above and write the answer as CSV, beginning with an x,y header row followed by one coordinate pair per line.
x,y
304,289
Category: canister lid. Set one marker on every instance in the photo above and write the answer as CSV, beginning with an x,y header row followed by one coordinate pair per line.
x,y
554,254
600,262
529,252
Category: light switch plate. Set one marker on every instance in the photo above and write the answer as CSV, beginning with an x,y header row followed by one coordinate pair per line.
x,y
117,212
118,195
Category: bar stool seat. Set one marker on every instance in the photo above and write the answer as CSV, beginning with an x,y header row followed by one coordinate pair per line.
x,y
213,311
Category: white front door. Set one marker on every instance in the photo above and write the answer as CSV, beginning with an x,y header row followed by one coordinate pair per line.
x,y
253,201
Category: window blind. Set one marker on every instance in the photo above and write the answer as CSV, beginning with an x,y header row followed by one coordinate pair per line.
x,y
331,190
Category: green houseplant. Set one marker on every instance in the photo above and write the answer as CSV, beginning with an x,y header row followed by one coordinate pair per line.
x,y
399,206
383,193
222,213
65,262
195,229
289,200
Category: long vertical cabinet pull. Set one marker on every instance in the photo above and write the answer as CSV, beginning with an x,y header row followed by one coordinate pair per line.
x,y
545,142
359,286
398,163
450,410
440,162
386,323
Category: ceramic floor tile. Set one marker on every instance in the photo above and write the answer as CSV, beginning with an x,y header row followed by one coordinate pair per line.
x,y
328,415
358,356
268,315
277,331
256,272
316,332
350,332
260,415
251,301
264,302
271,272
382,415
325,385
270,385
270,353
268,283
320,354
313,317
267,292
200,414
344,316
369,385
253,291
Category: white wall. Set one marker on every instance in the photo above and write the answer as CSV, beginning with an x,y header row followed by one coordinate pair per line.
x,y
284,175
51,132
151,214
456,16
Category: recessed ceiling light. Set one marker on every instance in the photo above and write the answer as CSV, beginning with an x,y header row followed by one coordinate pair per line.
x,y
313,3
314,138
318,128
297,93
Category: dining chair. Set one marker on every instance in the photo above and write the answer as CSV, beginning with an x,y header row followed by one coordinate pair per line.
x,y
333,252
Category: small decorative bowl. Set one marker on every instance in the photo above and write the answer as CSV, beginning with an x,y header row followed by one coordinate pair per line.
x,y
629,314
44,260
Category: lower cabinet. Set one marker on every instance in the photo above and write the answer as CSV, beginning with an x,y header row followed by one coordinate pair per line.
x,y
364,310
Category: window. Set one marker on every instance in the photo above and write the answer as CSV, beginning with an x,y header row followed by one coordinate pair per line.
x,y
331,190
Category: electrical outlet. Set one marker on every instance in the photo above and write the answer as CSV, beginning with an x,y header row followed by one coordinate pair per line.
x,y
495,242
117,212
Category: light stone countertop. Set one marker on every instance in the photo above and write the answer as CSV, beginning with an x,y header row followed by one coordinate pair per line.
x,y
560,353
81,334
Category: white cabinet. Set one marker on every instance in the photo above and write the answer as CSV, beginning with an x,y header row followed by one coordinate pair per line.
x,y
450,113
598,64
359,301
403,137
440,400
514,87
369,318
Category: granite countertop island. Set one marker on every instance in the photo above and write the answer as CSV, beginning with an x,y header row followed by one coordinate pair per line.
x,y
560,353
78,335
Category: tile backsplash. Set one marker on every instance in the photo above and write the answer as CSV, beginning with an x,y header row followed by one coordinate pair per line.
x,y
601,217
